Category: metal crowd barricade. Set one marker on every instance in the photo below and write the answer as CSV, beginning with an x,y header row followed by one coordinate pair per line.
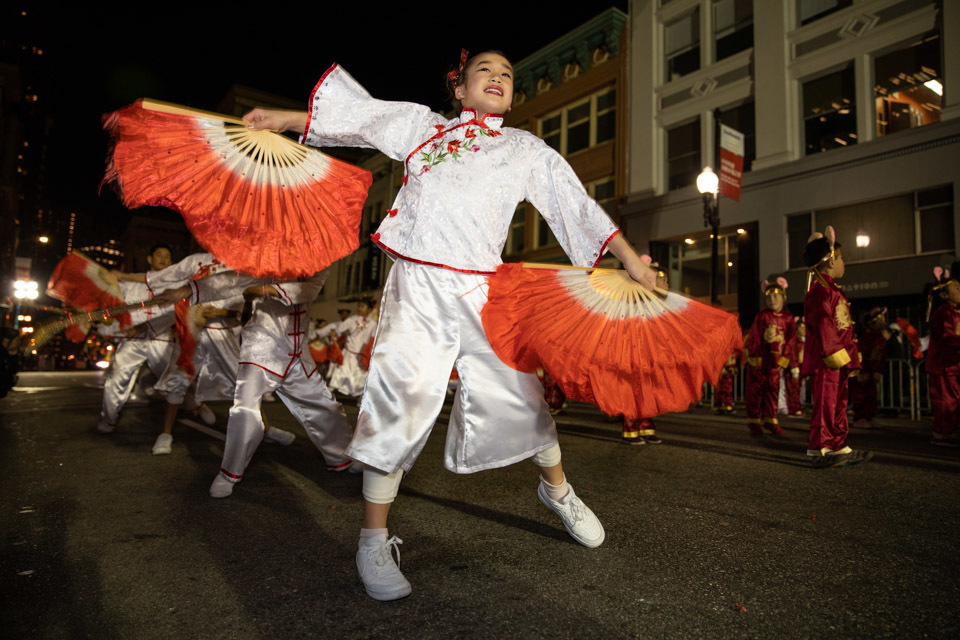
x,y
903,389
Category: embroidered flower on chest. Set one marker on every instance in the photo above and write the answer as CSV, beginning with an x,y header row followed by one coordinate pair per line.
x,y
455,147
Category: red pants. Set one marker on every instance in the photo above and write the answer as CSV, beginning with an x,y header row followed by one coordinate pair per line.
x,y
863,397
828,425
637,428
945,398
793,394
762,392
723,395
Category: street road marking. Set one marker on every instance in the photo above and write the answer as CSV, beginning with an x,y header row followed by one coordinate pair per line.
x,y
202,429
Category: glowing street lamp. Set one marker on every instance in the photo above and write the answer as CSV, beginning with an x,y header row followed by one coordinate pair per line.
x,y
708,184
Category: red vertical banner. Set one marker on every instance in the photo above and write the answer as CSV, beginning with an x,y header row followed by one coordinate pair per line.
x,y
731,161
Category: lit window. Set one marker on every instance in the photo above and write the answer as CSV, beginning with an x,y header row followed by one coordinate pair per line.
x,y
908,87
518,227
829,111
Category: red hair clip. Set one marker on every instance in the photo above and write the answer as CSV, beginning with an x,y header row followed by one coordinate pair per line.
x,y
453,76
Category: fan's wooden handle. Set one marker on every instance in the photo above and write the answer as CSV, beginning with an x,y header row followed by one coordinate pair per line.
x,y
547,265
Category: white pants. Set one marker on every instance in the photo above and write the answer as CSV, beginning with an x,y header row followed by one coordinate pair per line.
x,y
429,322
307,398
348,378
128,357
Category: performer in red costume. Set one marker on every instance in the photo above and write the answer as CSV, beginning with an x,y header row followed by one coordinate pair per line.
x,y
768,345
793,380
642,430
830,353
723,395
873,348
943,357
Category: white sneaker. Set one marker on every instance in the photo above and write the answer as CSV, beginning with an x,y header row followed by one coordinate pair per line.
x,y
163,445
206,414
221,487
582,525
279,436
103,427
380,575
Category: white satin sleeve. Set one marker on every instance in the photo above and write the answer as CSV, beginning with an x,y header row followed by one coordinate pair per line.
x,y
581,225
343,114
179,274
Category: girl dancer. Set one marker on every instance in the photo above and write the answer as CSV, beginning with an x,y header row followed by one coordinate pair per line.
x,y
943,357
768,343
446,230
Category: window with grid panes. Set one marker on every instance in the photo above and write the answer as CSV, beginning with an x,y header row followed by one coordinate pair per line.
x,y
732,27
682,42
683,154
583,124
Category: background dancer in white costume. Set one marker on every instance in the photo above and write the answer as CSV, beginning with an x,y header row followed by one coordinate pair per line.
x,y
464,178
150,340
350,377
272,359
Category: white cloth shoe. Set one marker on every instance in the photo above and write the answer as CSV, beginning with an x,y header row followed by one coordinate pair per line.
x,y
380,575
221,487
163,445
206,414
103,427
279,436
582,525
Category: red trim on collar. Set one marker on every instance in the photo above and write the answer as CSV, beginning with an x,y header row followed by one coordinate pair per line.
x,y
306,129
376,239
604,247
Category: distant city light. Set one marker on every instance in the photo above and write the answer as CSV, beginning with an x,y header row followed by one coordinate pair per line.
x,y
729,264
935,86
103,364
24,289
109,347
688,240
741,231
27,318
863,240
43,239
26,329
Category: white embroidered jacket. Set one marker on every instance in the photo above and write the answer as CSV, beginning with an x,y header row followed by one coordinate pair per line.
x,y
463,179
156,322
274,337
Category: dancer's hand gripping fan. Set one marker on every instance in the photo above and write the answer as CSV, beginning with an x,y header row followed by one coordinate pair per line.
x,y
606,339
260,202
81,283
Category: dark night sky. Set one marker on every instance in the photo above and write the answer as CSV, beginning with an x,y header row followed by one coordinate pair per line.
x,y
100,57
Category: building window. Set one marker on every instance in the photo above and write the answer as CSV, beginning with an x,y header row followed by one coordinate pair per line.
x,y
908,86
583,124
683,45
732,27
894,227
683,154
743,120
545,237
810,10
604,192
935,213
829,111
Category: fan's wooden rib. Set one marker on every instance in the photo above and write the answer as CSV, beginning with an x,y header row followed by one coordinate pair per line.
x,y
169,107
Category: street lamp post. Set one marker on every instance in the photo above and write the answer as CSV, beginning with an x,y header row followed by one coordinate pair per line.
x,y
708,184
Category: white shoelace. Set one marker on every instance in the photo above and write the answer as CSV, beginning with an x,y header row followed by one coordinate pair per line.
x,y
385,551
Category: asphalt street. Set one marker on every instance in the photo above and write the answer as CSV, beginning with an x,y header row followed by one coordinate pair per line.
x,y
711,534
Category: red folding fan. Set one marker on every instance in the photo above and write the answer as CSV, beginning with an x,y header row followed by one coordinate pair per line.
x,y
260,202
81,283
605,339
